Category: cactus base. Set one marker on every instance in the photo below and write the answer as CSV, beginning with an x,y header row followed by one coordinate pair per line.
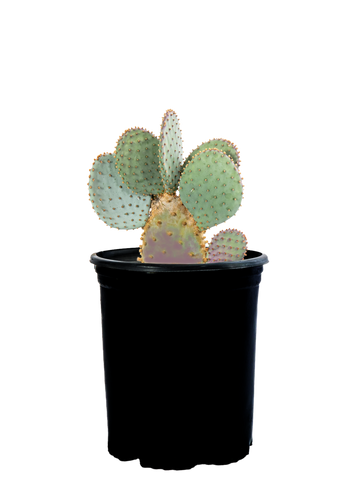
x,y
171,234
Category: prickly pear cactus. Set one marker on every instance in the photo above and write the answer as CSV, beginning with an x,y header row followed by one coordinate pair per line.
x,y
136,187
227,246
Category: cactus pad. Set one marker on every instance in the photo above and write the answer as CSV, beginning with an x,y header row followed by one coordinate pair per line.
x,y
226,144
211,188
114,202
137,161
171,151
227,246
171,234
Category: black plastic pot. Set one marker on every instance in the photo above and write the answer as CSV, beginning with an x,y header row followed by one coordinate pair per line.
x,y
179,358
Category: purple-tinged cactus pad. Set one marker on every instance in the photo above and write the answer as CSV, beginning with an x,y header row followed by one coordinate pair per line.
x,y
228,244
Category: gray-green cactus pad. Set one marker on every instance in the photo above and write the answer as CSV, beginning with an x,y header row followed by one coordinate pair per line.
x,y
114,202
211,188
227,246
228,146
171,151
137,161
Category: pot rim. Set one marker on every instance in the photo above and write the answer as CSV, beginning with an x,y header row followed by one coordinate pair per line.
x,y
110,259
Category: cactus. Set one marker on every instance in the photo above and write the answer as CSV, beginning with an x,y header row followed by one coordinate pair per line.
x,y
136,187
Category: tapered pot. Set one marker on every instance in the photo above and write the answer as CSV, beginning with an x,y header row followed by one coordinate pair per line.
x,y
179,358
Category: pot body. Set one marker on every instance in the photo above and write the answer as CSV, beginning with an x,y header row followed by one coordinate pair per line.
x,y
179,359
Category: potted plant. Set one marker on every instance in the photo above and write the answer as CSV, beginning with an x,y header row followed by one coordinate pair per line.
x,y
178,315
